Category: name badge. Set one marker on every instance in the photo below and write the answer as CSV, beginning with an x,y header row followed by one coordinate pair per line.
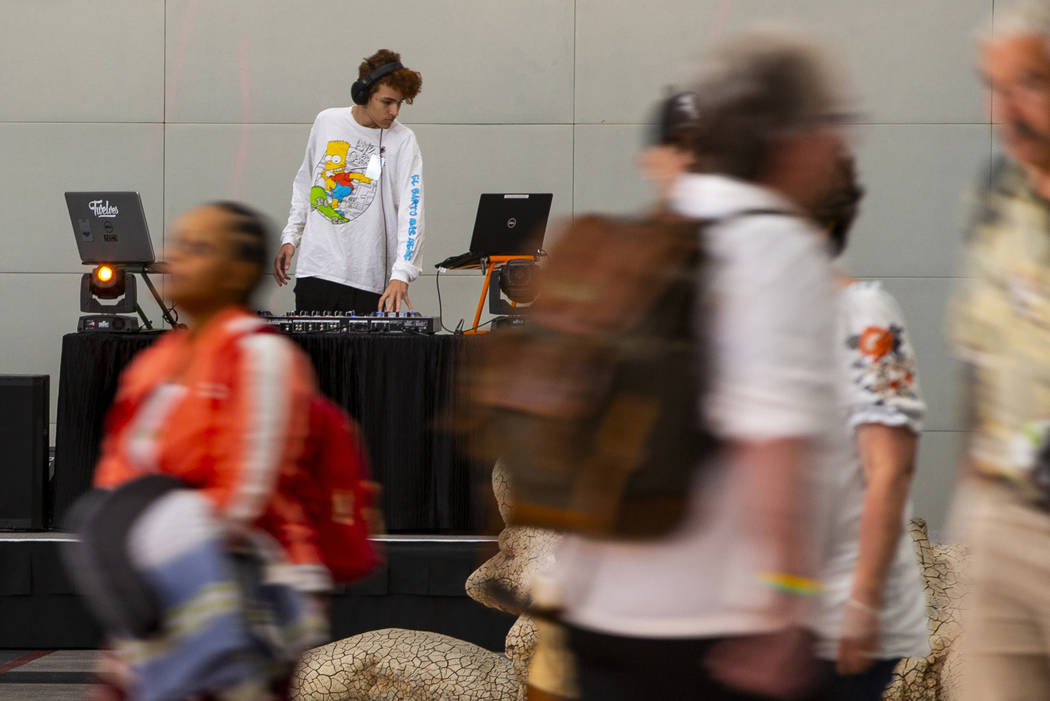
x,y
375,167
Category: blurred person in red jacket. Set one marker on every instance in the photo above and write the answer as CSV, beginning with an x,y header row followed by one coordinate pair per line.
x,y
222,406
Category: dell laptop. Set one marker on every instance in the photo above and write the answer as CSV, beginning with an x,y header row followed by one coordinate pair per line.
x,y
506,225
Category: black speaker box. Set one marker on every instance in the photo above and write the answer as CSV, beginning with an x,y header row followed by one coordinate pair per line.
x,y
23,441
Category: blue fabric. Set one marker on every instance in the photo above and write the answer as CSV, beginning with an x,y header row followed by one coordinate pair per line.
x,y
180,579
222,626
340,191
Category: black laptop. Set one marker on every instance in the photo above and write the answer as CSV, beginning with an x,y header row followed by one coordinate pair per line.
x,y
506,225
110,227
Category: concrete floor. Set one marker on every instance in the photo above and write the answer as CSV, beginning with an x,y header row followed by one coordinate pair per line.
x,y
39,675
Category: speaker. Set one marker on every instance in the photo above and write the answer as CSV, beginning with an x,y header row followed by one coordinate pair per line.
x,y
23,438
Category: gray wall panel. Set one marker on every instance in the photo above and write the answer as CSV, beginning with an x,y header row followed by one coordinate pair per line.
x,y
910,63
933,487
916,179
54,158
73,61
275,298
252,163
274,61
606,174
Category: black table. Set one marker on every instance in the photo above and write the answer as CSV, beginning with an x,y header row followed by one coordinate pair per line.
x,y
398,387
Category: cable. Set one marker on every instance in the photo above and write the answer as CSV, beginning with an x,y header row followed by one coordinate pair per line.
x,y
382,208
441,314
458,331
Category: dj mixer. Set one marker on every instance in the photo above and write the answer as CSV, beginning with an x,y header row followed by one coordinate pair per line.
x,y
349,322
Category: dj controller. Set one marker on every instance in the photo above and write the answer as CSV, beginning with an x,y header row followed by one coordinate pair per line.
x,y
336,322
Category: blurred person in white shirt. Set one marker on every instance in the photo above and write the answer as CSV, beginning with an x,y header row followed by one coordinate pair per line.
x,y
718,609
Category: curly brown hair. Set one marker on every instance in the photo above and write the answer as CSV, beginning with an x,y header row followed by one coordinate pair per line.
x,y
408,82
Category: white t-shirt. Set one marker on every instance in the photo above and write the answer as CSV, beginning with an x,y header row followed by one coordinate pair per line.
x,y
770,328
357,203
878,384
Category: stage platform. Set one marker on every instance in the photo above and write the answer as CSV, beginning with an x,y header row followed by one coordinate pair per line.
x,y
420,587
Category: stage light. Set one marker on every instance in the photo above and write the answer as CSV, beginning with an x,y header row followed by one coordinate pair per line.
x,y
108,282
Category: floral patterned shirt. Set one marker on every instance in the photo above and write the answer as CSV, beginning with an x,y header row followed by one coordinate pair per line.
x,y
878,359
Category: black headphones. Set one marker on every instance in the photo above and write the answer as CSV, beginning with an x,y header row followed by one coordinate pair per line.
x,y
361,90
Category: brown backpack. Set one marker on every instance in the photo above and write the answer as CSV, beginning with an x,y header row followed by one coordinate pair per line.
x,y
592,405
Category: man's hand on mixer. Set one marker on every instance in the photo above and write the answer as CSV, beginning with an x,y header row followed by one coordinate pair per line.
x,y
395,297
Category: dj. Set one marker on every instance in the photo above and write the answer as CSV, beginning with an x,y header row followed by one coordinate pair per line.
x,y
357,200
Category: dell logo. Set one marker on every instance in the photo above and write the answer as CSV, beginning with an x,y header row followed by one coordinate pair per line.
x,y
511,223
109,237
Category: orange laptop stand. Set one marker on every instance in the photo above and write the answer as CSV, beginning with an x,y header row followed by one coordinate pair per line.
x,y
490,264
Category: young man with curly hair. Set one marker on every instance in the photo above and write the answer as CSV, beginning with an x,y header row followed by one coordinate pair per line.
x,y
357,201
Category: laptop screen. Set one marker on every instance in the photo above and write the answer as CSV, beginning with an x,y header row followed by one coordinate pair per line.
x,y
508,224
109,227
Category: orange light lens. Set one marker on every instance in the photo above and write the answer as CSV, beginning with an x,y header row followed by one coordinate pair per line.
x,y
104,273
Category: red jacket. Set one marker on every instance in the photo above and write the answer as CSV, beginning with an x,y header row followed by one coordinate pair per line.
x,y
236,432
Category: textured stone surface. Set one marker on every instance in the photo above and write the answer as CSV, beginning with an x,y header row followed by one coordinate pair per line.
x,y
414,665
424,666
523,553
932,678
521,644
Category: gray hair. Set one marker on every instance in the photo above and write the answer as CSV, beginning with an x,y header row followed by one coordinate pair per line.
x,y
1025,18
758,87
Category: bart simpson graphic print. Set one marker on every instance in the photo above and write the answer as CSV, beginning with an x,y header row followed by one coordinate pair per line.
x,y
342,191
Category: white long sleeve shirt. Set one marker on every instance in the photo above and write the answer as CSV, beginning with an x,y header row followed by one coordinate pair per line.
x,y
357,204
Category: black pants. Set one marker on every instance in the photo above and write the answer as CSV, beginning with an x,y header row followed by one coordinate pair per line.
x,y
612,667
312,294
858,687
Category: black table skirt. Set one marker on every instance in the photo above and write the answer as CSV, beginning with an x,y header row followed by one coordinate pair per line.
x,y
398,387
419,586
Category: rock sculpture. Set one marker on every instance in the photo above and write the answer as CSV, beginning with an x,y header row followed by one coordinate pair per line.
x,y
410,665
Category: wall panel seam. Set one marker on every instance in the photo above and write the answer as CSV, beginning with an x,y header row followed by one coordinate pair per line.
x,y
450,124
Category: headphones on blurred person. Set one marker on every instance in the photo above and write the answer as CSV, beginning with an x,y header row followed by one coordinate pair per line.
x,y
361,90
